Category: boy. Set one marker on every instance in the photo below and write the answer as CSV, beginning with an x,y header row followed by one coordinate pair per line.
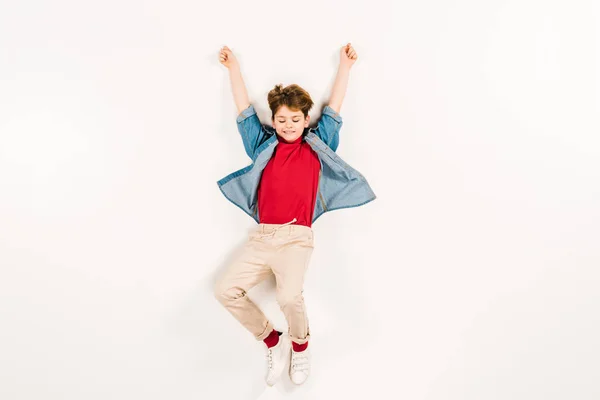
x,y
294,178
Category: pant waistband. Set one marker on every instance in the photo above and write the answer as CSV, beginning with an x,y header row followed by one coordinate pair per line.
x,y
272,229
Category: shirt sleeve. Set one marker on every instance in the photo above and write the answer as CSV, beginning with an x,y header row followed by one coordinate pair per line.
x,y
251,130
328,127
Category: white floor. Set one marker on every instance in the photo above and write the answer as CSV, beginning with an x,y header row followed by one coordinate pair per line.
x,y
473,276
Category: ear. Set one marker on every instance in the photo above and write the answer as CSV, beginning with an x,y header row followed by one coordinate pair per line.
x,y
307,121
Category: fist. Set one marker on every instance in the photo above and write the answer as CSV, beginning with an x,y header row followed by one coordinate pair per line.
x,y
348,55
227,58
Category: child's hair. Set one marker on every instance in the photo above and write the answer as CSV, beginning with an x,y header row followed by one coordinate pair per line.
x,y
293,97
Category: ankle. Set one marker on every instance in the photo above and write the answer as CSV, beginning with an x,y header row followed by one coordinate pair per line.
x,y
272,339
299,347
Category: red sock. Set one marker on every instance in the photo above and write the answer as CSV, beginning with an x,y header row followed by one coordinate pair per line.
x,y
272,339
299,347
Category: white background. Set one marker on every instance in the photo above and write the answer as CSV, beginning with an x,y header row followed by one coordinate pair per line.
x,y
474,275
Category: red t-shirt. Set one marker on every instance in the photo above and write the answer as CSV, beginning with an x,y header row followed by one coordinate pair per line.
x,y
289,184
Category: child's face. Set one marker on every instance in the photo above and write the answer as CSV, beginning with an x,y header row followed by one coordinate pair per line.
x,y
289,124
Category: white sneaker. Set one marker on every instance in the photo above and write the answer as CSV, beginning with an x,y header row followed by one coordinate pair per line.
x,y
300,366
276,358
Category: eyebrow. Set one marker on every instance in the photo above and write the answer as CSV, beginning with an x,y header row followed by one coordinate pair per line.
x,y
283,116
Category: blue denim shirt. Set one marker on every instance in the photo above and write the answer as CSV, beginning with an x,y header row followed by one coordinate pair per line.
x,y
340,185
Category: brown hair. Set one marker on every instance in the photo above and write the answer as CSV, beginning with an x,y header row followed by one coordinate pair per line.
x,y
293,97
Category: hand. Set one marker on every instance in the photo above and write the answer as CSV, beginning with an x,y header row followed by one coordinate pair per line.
x,y
347,56
227,58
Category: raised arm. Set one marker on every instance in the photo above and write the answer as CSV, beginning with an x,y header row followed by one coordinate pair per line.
x,y
251,129
328,127
240,94
347,58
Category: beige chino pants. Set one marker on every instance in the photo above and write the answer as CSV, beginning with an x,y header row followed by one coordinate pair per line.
x,y
283,250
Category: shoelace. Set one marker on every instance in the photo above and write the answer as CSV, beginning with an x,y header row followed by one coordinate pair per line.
x,y
299,361
270,358
279,227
